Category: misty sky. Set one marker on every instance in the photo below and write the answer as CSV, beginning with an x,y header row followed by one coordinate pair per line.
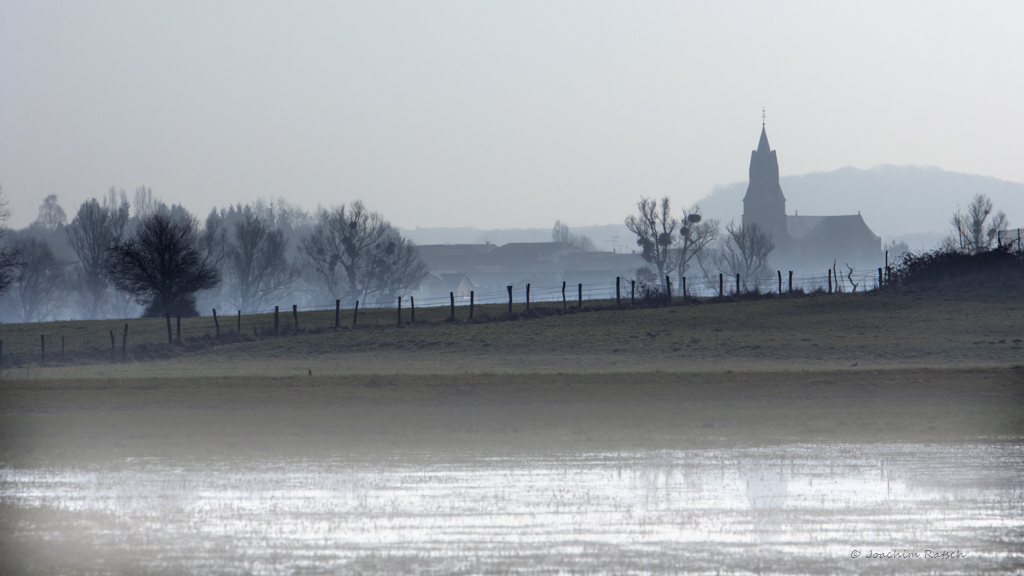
x,y
492,114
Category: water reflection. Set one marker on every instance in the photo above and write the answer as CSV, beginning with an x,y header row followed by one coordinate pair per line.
x,y
785,509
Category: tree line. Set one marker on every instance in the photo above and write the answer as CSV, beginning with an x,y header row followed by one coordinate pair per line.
x,y
115,258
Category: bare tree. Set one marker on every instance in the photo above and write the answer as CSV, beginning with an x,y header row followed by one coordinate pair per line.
x,y
38,281
51,216
145,203
354,254
561,233
696,235
161,265
8,256
746,252
257,265
91,234
655,231
971,232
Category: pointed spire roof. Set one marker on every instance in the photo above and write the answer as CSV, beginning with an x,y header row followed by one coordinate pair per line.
x,y
762,146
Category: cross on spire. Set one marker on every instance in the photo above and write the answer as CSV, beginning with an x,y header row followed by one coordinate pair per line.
x,y
762,116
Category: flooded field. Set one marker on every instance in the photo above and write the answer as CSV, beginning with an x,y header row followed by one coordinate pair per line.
x,y
788,509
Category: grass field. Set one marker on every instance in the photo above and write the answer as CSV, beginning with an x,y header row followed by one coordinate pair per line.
x,y
864,366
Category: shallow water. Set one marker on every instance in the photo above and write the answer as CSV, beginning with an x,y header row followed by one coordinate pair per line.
x,y
789,509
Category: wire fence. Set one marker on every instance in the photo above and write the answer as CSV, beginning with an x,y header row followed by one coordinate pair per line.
x,y
142,338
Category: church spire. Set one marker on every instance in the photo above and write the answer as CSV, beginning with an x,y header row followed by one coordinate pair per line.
x,y
762,145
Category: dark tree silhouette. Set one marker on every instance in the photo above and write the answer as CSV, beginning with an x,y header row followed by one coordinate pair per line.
x,y
655,231
38,280
257,264
161,265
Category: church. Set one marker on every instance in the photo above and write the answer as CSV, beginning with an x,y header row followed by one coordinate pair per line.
x,y
804,243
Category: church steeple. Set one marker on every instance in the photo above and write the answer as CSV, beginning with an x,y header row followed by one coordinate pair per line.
x,y
764,203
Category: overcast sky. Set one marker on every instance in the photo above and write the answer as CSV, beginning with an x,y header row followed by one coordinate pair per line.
x,y
492,114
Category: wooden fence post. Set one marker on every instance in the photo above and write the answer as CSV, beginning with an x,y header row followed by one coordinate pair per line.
x,y
471,295
412,309
337,313
399,310
113,346
879,277
780,282
737,284
618,294
509,299
668,289
42,349
238,323
276,309
829,280
527,295
170,340
564,304
355,314
216,322
684,288
451,296
790,280
632,292
124,342
295,315
721,286
581,296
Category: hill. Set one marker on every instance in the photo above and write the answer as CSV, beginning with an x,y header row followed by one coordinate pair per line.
x,y
913,203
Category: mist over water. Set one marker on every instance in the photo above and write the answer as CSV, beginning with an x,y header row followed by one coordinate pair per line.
x,y
788,509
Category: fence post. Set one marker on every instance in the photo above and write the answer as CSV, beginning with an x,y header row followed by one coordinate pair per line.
x,y
684,288
581,296
737,284
238,323
169,339
879,277
618,294
780,282
42,349
399,310
632,292
509,299
721,285
412,309
124,342
275,319
112,345
295,315
451,298
563,295
790,280
179,328
527,295
829,280
471,295
216,323
355,314
668,289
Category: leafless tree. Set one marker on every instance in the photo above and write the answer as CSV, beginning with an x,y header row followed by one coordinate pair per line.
x,y
92,233
161,265
51,216
561,233
746,252
145,203
354,254
971,233
38,281
655,231
696,235
8,256
256,264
